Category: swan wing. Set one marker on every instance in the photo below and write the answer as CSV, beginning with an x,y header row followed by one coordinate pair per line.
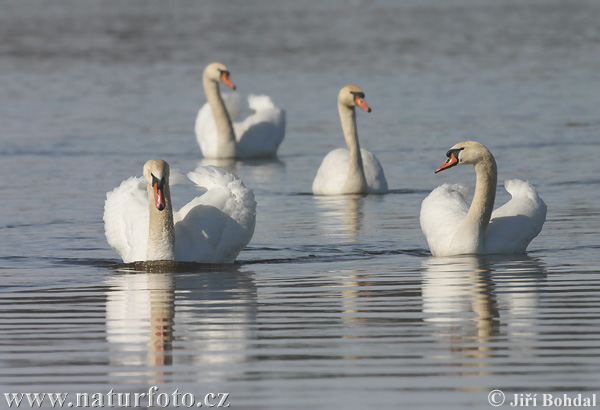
x,y
126,219
514,225
261,133
216,226
332,173
441,213
206,127
374,175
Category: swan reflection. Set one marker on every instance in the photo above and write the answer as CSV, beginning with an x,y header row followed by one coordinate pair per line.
x,y
165,319
464,296
252,171
341,215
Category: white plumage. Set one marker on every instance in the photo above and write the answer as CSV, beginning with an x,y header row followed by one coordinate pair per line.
x,y
257,136
350,170
212,228
452,227
512,226
333,173
221,133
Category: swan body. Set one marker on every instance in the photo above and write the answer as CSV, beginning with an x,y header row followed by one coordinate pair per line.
x,y
452,227
350,170
219,132
141,225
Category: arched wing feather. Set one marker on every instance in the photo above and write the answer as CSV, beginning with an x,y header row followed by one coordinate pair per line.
x,y
216,226
261,133
514,225
441,211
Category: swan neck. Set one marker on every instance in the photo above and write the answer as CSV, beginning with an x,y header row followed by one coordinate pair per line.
x,y
482,206
356,182
225,133
161,232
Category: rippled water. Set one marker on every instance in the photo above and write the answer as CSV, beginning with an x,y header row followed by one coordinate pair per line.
x,y
336,302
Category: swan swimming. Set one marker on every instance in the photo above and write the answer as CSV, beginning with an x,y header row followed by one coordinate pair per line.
x,y
352,170
453,228
218,133
141,225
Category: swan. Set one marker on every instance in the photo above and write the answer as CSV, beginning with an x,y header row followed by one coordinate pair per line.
x,y
258,136
353,170
453,228
140,223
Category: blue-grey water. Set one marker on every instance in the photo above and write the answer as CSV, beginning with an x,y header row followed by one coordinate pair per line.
x,y
336,302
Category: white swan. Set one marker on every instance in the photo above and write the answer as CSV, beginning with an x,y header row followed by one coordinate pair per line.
x,y
258,136
141,225
353,170
453,228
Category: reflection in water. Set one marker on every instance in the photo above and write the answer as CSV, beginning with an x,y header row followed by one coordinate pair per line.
x,y
354,296
341,215
461,297
139,312
255,170
164,319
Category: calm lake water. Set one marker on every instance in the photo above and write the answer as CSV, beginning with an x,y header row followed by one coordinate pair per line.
x,y
336,302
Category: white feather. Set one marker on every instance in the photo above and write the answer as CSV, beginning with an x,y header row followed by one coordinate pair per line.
x,y
211,228
512,226
333,171
258,135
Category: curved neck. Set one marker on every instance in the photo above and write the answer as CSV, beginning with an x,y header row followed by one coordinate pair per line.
x,y
225,134
476,222
161,232
356,182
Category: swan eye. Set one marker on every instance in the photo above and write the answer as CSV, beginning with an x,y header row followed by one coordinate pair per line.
x,y
455,152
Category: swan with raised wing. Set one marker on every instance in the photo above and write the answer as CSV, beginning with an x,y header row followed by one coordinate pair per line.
x,y
353,170
218,132
453,228
141,225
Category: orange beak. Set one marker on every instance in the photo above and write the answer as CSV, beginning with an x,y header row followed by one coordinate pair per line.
x,y
159,197
450,162
227,80
360,102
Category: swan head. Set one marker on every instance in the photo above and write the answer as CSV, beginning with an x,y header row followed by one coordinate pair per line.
x,y
156,173
353,96
218,72
464,153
